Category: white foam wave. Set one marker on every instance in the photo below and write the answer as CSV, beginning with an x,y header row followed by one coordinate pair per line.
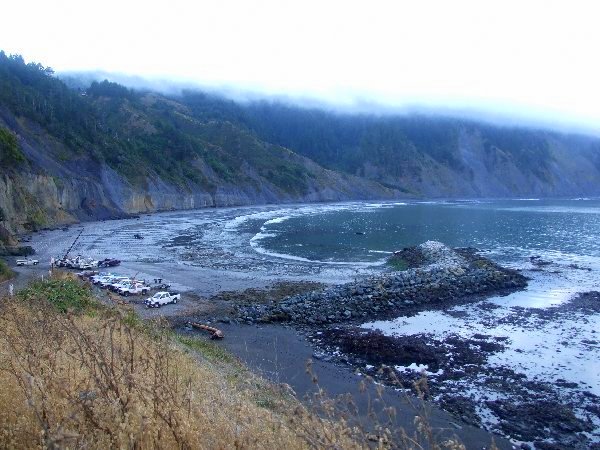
x,y
277,220
280,215
263,251
263,234
236,222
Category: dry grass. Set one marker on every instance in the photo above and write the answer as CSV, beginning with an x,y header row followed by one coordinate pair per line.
x,y
98,377
5,272
71,380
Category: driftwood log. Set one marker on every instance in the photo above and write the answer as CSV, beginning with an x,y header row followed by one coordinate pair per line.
x,y
215,333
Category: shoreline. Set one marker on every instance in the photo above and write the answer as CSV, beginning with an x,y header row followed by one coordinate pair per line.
x,y
201,300
281,354
296,351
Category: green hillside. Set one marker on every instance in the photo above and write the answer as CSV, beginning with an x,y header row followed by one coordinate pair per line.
x,y
105,151
411,152
81,152
136,133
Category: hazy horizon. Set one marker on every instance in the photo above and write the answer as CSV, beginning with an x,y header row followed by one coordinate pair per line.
x,y
509,63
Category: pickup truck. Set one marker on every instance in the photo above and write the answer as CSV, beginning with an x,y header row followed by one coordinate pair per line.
x,y
27,262
115,286
162,298
102,277
106,284
132,289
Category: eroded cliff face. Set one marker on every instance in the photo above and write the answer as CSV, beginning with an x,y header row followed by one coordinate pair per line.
x,y
47,192
571,168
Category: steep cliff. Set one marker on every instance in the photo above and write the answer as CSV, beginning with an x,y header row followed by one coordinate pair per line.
x,y
45,191
426,155
108,152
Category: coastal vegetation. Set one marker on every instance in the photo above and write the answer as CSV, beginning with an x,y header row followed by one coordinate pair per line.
x,y
5,272
208,140
76,373
136,133
10,153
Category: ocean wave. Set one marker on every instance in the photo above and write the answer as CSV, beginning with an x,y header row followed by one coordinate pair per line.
x,y
277,220
280,215
254,243
264,234
382,205
237,221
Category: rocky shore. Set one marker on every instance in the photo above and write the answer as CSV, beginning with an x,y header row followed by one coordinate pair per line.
x,y
540,413
435,275
536,413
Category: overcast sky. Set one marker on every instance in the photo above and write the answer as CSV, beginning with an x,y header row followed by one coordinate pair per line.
x,y
521,58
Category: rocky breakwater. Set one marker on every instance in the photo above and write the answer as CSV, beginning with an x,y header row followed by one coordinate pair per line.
x,y
434,275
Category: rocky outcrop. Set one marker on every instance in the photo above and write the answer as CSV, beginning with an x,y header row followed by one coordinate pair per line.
x,y
437,276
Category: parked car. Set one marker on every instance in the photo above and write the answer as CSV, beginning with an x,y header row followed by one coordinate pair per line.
x,y
157,283
102,277
133,289
121,283
87,274
113,280
27,262
162,298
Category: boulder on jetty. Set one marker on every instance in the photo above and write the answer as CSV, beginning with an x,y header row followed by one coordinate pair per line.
x,y
436,276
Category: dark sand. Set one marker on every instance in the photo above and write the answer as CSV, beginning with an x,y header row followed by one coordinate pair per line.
x,y
280,354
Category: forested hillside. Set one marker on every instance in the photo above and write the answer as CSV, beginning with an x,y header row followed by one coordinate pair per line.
x,y
78,151
105,151
424,155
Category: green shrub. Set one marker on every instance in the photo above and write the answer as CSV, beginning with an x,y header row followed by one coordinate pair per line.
x,y
10,153
63,294
5,272
36,220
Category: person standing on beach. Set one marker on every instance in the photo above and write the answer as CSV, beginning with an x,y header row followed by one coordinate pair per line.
x,y
52,262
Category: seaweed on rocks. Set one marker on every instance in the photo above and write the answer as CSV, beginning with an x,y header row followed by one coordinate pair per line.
x,y
460,381
376,348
